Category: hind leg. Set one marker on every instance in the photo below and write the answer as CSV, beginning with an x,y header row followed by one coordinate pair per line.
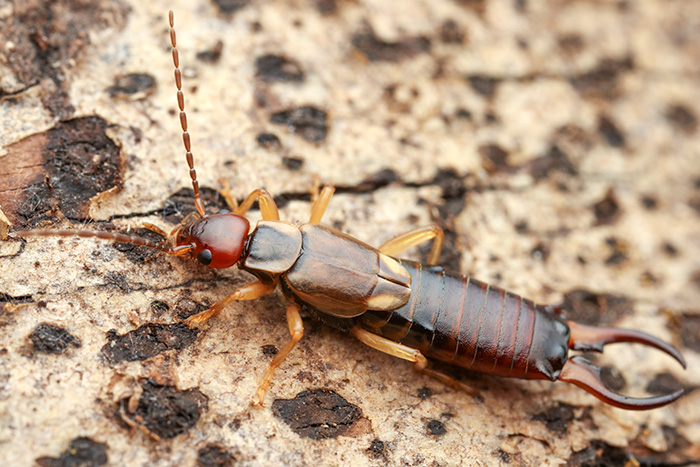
x,y
420,363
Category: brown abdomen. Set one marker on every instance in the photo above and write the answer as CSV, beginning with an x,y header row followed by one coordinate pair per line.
x,y
462,321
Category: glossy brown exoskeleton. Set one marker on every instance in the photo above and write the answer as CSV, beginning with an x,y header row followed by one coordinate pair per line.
x,y
406,309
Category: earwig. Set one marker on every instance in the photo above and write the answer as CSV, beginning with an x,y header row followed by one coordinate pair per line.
x,y
403,308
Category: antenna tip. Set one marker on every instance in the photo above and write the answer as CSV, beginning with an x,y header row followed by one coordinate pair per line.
x,y
171,18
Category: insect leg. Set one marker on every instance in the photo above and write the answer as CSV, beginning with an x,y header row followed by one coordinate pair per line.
x,y
228,197
268,208
420,363
320,204
414,237
155,228
250,291
296,329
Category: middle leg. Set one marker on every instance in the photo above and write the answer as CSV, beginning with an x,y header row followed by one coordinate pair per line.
x,y
415,237
296,329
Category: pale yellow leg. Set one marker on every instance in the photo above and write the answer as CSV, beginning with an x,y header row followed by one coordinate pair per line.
x,y
155,228
296,329
247,292
320,203
414,237
228,197
268,208
412,355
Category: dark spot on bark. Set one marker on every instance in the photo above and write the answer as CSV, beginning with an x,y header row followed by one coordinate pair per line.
x,y
603,81
377,50
663,383
213,455
682,118
669,249
159,306
424,393
452,33
82,452
610,132
520,6
132,85
436,428
377,449
326,7
230,6
317,414
619,251
690,331
165,411
180,204
612,378
570,44
187,307
140,254
372,182
599,454
147,341
555,160
464,114
540,251
494,158
649,202
607,210
268,141
212,54
490,118
503,456
269,350
60,169
276,68
589,308
293,163
48,338
556,418
484,85
308,122
695,279
116,279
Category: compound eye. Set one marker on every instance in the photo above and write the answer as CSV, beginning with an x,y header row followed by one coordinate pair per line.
x,y
204,257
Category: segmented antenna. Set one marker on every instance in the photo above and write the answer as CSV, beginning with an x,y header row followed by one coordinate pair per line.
x,y
183,118
114,236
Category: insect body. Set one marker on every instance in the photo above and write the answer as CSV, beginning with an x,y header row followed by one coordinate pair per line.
x,y
403,308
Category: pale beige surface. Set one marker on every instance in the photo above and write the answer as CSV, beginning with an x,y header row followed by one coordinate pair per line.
x,y
48,400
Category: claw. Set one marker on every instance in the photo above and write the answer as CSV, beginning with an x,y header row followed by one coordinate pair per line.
x,y
582,373
594,338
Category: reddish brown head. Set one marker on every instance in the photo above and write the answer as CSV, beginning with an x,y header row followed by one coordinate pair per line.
x,y
216,241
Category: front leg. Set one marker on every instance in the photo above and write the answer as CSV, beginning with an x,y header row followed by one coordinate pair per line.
x,y
250,291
